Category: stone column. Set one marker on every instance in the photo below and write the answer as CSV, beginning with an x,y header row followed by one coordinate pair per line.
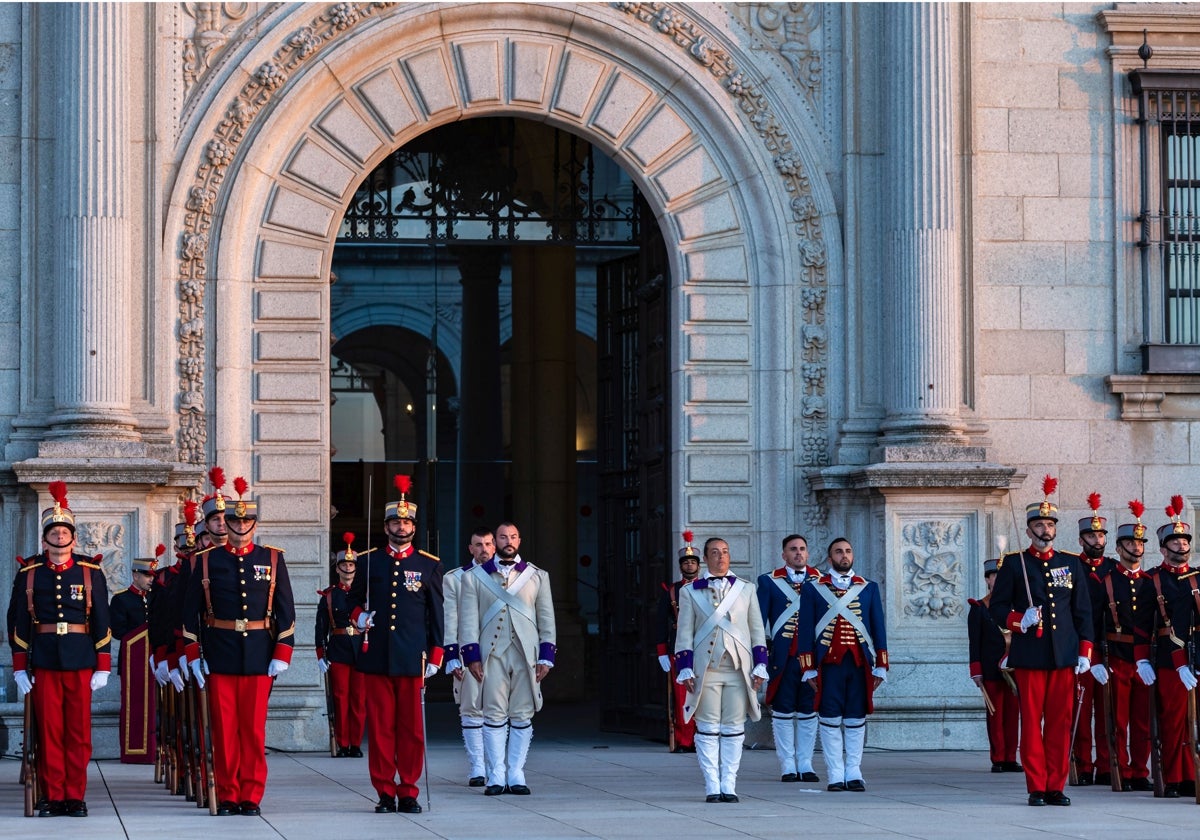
x,y
92,270
923,286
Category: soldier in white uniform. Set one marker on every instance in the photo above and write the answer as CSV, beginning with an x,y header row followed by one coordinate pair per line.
x,y
721,654
506,637
468,693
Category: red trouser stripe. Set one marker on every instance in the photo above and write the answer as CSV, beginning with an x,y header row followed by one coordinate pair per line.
x,y
1002,725
395,748
62,701
1047,710
349,700
238,706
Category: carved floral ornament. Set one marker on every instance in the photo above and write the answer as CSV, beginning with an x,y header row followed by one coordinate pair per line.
x,y
933,568
338,20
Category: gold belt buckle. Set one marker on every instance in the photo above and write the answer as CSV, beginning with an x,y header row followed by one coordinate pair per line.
x,y
351,631
239,624
60,629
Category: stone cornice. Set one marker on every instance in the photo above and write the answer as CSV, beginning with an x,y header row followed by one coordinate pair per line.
x,y
915,476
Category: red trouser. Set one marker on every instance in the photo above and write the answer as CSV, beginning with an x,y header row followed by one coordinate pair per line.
x,y
1047,706
238,711
62,701
396,746
685,731
1091,722
1172,727
1131,720
1002,725
349,700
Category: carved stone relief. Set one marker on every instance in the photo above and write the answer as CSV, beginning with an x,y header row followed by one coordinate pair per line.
x,y
215,22
106,539
793,31
932,571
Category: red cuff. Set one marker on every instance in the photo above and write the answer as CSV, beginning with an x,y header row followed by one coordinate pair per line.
x,y
20,659
1141,652
1014,621
976,669
103,661
1085,650
192,652
283,653
661,650
354,614
320,653
881,659
806,662
435,656
1178,658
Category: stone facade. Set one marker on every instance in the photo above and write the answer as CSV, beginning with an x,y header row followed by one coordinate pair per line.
x,y
901,252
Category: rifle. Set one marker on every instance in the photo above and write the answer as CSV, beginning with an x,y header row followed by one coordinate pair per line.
x,y
29,759
207,745
331,715
1191,720
1110,723
1156,769
158,735
187,744
172,763
1073,774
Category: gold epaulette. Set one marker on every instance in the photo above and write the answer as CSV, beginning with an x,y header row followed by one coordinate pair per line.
x,y
432,557
1003,556
1190,574
88,565
196,554
272,547
27,568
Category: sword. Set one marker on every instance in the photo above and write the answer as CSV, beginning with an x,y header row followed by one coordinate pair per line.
x,y
1024,571
367,605
424,737
1074,771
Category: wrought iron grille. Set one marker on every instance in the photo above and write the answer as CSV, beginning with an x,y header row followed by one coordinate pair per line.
x,y
495,179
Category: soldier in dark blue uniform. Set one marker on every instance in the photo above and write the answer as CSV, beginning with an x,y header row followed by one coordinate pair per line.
x,y
988,645
1042,596
399,603
129,613
793,717
60,643
338,643
1093,540
239,624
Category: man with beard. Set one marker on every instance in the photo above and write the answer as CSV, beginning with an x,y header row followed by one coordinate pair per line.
x,y
338,642
683,731
467,692
1093,539
1177,602
129,613
402,648
793,718
1042,597
843,654
506,632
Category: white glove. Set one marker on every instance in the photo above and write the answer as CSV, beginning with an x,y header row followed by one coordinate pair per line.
x,y
1146,671
152,663
881,673
277,667
176,678
161,672
1186,677
430,670
1100,674
808,675
664,662
323,665
1030,618
761,672
366,620
184,671
453,665
197,667
978,680
1004,662
1083,665
24,683
100,679
685,675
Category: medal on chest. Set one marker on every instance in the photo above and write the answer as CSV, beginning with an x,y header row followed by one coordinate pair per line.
x,y
412,580
1060,578
262,573
76,591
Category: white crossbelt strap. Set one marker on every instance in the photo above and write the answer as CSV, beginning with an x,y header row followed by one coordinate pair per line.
x,y
792,608
505,597
719,617
841,607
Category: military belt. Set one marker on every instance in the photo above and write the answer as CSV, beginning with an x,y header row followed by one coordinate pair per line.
x,y
344,631
241,625
1122,638
61,628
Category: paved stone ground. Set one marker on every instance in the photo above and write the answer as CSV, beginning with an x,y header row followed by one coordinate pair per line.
x,y
593,784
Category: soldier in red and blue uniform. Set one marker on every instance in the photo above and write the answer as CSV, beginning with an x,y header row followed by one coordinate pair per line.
x,y
684,731
793,715
1093,539
60,640
988,645
843,653
1176,589
338,644
239,625
1051,624
399,603
129,613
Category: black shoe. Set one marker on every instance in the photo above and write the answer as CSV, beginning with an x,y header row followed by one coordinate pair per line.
x,y
75,808
728,797
1085,779
1057,797
227,809
343,752
1171,790
1037,798
810,776
1187,788
1102,779
54,808
997,767
687,749
493,790
250,809
408,805
518,790
1140,783
1012,767
476,781
789,777
836,786
387,805
856,785
355,752
713,797
1126,785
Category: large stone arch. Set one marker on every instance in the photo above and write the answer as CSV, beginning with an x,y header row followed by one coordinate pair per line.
x,y
306,111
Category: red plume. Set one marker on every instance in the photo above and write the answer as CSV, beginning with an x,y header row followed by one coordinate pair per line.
x,y
348,538
240,486
403,483
20,561
1170,512
189,511
217,477
160,550
687,537
1094,501
58,492
1137,508
1177,503
1049,485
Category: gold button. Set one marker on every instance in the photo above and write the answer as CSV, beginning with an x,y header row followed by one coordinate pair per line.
x,y
245,607
393,627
